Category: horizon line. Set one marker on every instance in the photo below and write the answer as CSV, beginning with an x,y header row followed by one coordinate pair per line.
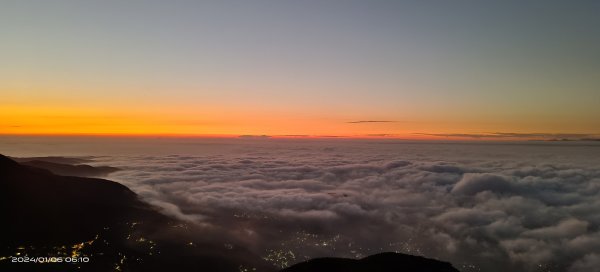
x,y
495,137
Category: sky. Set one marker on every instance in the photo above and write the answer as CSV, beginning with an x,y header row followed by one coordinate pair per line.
x,y
412,69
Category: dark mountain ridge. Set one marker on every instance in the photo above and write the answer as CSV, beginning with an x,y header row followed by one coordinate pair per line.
x,y
67,166
48,215
382,262
69,208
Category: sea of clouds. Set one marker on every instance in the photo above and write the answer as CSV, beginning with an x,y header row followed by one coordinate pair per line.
x,y
483,207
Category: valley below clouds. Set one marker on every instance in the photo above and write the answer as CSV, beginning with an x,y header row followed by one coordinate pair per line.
x,y
481,206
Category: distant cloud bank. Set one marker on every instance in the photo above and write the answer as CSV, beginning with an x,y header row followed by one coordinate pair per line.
x,y
508,135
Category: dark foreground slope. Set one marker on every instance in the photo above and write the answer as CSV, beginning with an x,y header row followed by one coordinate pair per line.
x,y
383,262
41,207
100,224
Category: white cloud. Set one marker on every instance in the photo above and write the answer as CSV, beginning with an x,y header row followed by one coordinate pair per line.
x,y
460,204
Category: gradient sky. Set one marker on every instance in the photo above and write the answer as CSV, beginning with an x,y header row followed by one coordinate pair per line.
x,y
299,67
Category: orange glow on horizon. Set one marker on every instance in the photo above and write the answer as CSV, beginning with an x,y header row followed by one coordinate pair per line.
x,y
221,123
407,137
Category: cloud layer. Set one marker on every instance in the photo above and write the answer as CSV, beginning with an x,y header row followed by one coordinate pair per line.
x,y
512,135
528,207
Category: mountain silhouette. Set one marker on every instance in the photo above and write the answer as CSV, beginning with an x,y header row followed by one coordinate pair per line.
x,y
382,262
45,214
63,169
69,208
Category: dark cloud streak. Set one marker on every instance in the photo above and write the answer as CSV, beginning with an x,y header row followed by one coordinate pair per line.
x,y
371,121
510,135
